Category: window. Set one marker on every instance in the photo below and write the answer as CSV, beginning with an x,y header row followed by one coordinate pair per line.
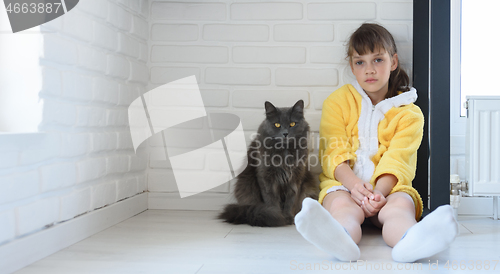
x,y
479,43
20,77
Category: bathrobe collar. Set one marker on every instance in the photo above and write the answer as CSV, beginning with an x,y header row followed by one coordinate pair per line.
x,y
402,99
370,117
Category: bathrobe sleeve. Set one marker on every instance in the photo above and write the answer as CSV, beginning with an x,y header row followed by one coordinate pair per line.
x,y
400,159
335,145
338,140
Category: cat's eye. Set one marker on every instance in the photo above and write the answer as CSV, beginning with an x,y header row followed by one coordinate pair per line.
x,y
277,125
292,124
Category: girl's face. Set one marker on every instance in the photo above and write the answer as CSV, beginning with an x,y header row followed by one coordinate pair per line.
x,y
372,70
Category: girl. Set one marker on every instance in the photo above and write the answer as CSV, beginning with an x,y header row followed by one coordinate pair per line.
x,y
370,131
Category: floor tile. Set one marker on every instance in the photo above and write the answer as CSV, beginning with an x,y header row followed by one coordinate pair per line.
x,y
195,242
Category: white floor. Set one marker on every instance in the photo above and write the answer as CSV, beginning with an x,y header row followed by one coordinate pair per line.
x,y
163,241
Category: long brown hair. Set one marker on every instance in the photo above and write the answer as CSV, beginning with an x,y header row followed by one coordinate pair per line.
x,y
371,37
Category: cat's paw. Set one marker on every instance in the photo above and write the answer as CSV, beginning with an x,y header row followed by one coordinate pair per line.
x,y
289,220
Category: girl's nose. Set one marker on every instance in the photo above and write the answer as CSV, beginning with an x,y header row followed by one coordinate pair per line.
x,y
370,69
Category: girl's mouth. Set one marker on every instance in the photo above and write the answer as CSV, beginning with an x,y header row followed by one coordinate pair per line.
x,y
371,80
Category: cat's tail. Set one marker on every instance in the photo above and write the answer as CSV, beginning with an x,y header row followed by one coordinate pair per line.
x,y
254,215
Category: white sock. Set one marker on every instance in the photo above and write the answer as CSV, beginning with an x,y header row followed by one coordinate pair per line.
x,y
318,227
431,235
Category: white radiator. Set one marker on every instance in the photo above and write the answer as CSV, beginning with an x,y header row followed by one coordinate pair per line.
x,y
482,148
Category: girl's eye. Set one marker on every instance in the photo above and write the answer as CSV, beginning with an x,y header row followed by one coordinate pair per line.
x,y
292,124
378,60
359,62
277,125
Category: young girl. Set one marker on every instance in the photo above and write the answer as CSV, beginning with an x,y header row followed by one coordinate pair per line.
x,y
370,131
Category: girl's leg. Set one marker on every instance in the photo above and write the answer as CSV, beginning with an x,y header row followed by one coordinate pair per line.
x,y
343,209
316,225
431,235
396,217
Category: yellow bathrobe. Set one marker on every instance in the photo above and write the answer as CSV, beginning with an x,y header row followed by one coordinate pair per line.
x,y
380,139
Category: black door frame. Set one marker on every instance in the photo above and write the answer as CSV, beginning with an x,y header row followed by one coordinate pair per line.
x,y
431,50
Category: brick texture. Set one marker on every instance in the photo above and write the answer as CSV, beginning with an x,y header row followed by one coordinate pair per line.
x,y
104,54
174,32
189,54
303,33
238,76
93,62
266,11
236,33
342,11
269,55
189,11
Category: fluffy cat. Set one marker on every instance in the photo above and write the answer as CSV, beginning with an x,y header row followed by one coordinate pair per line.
x,y
269,192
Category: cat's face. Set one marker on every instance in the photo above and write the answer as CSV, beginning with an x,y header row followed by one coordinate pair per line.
x,y
284,124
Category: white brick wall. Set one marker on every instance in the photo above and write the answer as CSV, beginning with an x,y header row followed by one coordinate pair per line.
x,y
269,55
93,63
103,54
174,32
189,54
266,11
232,32
103,194
244,53
75,203
238,76
348,10
306,77
187,11
57,176
37,214
303,33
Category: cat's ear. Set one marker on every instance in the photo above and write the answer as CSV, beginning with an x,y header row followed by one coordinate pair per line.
x,y
270,108
298,107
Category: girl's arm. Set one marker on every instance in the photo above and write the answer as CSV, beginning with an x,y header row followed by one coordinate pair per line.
x,y
358,188
385,183
345,175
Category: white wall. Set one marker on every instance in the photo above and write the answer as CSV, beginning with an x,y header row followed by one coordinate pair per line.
x,y
95,60
246,52
93,63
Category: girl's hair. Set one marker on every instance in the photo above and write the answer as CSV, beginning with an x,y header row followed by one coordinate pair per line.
x,y
371,38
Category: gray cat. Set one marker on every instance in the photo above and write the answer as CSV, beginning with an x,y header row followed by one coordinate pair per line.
x,y
269,192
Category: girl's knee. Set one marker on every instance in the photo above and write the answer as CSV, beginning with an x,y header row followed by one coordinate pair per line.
x,y
397,205
344,203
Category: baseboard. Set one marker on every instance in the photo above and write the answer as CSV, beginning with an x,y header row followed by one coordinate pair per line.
x,y
202,201
24,251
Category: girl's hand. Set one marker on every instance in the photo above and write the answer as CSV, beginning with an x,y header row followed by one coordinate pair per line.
x,y
360,191
372,206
